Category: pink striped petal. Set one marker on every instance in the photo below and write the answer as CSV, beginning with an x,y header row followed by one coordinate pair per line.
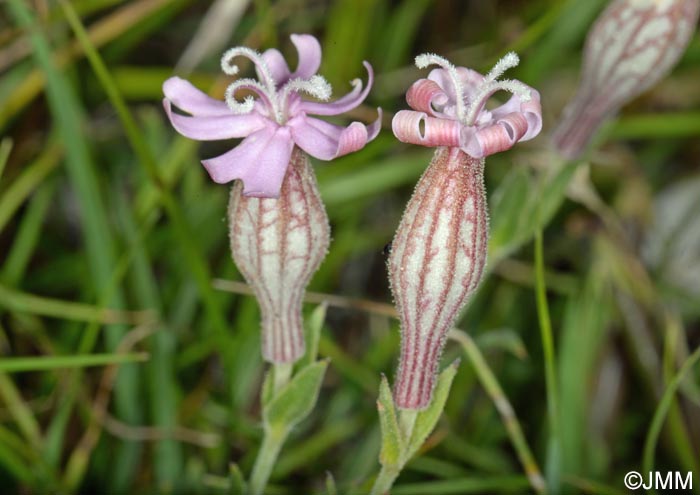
x,y
184,95
327,141
260,161
531,110
344,104
418,128
309,50
426,96
497,137
215,127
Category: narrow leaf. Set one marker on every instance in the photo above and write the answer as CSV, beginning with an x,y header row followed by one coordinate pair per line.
x,y
237,485
427,419
312,334
296,399
392,443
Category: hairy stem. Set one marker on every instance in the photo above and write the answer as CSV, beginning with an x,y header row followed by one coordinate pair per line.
x,y
273,439
267,456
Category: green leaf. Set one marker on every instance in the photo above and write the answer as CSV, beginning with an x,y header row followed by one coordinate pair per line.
x,y
427,419
312,334
521,204
237,485
331,489
297,398
392,442
5,148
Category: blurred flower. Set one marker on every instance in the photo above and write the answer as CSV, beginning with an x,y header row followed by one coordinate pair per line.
x,y
632,46
439,251
278,225
272,124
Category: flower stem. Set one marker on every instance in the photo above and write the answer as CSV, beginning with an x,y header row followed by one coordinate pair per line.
x,y
554,442
385,480
273,439
267,456
388,474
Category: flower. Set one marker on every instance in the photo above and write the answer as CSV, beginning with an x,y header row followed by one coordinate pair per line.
x,y
278,226
439,251
450,109
632,46
272,124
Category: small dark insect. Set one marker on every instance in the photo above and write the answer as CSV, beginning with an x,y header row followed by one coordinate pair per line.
x,y
387,249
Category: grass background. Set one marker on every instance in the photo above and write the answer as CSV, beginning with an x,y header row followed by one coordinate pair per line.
x,y
129,365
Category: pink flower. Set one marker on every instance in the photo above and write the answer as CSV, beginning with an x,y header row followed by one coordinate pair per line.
x,y
632,46
272,124
439,251
450,109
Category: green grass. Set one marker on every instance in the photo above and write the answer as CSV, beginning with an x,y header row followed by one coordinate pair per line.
x,y
579,350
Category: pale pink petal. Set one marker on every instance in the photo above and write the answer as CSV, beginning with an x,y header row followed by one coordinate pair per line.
x,y
443,79
327,141
496,137
215,127
184,95
344,104
277,65
309,50
531,110
418,128
260,161
427,96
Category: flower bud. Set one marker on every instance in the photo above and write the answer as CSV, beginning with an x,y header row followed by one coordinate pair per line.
x,y
436,262
632,46
278,244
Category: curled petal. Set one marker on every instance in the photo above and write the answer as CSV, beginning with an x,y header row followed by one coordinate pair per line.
x,y
344,104
531,110
260,161
309,50
184,95
496,137
426,96
210,128
418,128
327,141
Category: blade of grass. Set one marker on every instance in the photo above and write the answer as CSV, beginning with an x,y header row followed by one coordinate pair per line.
x,y
21,413
14,300
25,240
510,420
46,363
662,409
5,148
167,454
65,108
33,175
183,232
102,32
553,453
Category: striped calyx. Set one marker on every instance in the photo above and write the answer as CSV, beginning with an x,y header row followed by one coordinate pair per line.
x,y
278,244
436,262
632,46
